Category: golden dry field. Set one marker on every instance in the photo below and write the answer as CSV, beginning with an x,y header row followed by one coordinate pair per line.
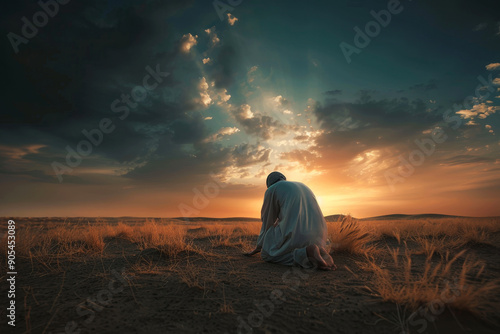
x,y
92,275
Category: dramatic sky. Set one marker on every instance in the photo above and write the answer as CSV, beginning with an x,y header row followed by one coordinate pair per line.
x,y
188,107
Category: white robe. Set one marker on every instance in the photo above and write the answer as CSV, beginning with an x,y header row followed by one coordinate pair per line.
x,y
301,223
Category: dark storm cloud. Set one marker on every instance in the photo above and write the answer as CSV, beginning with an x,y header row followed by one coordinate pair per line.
x,y
247,155
261,126
333,92
70,57
74,53
395,115
256,124
424,87
181,167
223,72
192,165
461,13
188,130
480,26
91,53
37,175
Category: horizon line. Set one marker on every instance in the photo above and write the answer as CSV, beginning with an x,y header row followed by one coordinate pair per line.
x,y
234,217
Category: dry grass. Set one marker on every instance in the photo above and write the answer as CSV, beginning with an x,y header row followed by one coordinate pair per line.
x,y
436,245
194,276
225,307
432,236
121,230
50,247
346,236
466,229
234,229
94,239
235,234
70,241
450,277
349,236
447,276
443,282
229,241
169,239
146,266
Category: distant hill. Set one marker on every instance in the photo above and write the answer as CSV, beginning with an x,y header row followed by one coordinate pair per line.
x,y
335,218
411,217
202,219
330,218
339,217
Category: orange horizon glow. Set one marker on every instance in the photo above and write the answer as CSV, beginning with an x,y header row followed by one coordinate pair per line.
x,y
246,201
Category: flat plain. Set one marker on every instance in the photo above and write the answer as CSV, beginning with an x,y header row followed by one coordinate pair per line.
x,y
137,275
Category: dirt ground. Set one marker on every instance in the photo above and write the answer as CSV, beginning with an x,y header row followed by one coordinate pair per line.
x,y
216,290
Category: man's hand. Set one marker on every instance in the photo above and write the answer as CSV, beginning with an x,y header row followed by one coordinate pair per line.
x,y
255,251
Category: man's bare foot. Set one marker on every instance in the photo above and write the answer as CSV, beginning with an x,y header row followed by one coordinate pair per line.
x,y
255,251
314,255
327,257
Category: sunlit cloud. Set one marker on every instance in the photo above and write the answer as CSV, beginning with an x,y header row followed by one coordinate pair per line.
x,y
17,153
214,39
244,112
280,101
226,131
223,96
493,66
488,127
187,42
251,74
204,97
481,110
231,19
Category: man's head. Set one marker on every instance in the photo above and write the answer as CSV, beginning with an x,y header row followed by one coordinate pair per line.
x,y
274,177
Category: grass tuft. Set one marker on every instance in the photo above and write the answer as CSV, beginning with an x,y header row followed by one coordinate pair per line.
x,y
348,236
